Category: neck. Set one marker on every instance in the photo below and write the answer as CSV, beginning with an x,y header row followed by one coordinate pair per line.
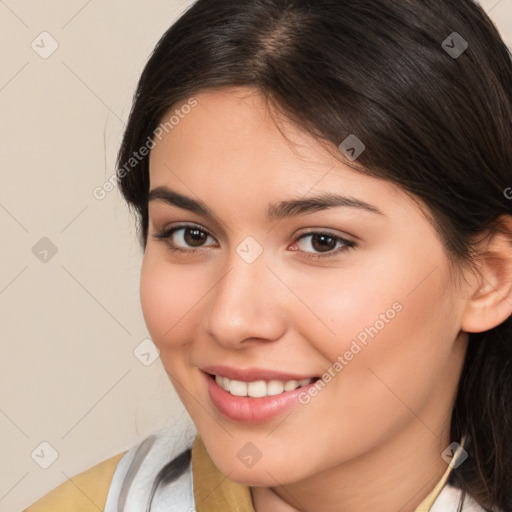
x,y
395,476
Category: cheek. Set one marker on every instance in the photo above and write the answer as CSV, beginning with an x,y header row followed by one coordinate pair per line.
x,y
395,340
395,315
168,296
343,304
379,287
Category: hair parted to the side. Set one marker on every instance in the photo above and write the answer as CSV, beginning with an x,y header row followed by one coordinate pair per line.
x,y
439,127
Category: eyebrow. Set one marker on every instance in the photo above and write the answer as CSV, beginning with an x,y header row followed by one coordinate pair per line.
x,y
275,211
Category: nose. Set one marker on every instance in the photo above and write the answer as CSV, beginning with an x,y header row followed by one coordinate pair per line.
x,y
244,307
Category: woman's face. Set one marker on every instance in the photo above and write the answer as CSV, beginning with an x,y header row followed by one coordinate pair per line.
x,y
357,295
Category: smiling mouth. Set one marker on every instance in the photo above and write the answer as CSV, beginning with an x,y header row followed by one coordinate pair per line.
x,y
259,388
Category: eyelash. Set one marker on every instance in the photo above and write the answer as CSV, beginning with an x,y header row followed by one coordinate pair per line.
x,y
166,234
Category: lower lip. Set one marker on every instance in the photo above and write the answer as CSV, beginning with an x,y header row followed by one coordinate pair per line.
x,y
247,409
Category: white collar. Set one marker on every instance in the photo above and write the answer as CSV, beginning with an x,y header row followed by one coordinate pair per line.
x,y
133,478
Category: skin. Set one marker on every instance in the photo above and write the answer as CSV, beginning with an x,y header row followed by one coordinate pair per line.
x,y
372,438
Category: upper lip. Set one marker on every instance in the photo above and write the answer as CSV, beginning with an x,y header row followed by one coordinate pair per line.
x,y
253,374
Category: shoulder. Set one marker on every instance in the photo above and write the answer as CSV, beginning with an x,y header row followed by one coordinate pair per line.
x,y
126,477
84,492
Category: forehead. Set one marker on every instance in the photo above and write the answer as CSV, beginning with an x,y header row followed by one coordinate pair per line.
x,y
233,144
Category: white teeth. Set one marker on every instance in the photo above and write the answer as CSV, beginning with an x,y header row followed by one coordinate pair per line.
x,y
291,385
259,388
275,387
238,388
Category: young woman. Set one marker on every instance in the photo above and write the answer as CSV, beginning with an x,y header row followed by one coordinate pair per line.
x,y
324,191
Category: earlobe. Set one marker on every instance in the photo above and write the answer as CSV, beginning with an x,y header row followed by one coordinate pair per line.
x,y
490,300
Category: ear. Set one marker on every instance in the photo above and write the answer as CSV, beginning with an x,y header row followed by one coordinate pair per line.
x,y
490,300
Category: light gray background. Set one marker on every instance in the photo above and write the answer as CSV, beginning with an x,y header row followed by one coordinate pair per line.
x,y
69,326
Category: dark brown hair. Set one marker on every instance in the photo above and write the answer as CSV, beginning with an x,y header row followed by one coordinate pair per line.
x,y
434,122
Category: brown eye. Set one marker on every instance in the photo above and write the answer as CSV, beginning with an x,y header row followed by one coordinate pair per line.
x,y
194,237
184,238
319,244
